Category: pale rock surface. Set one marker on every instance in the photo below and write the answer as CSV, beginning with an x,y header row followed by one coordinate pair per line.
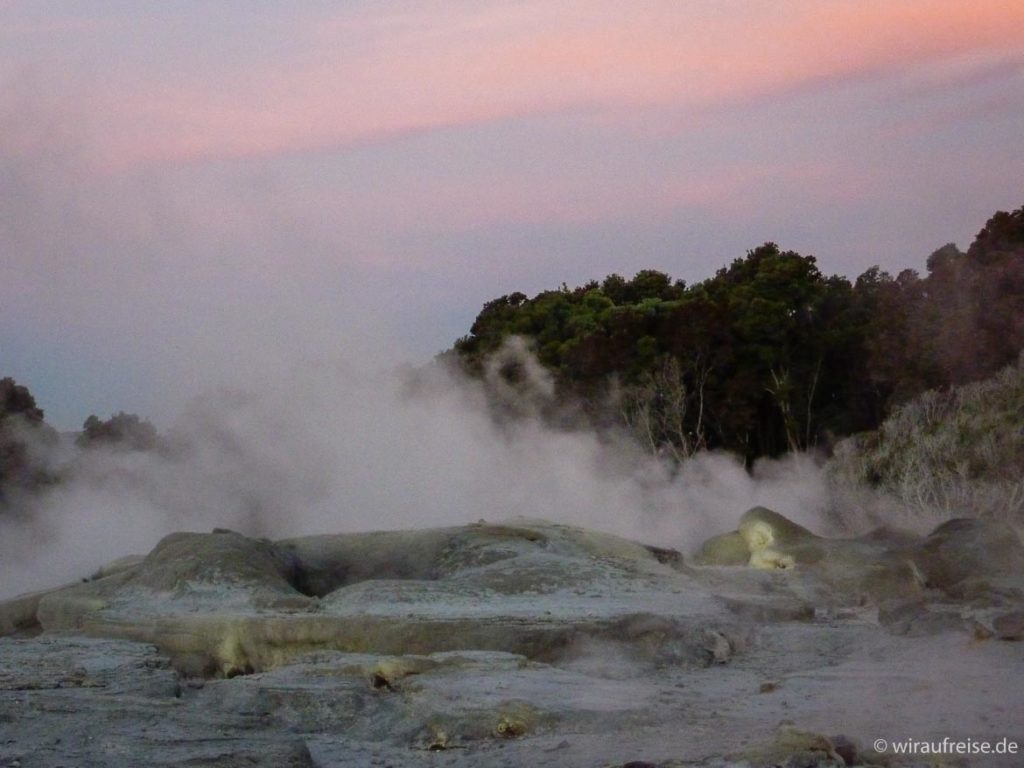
x,y
525,643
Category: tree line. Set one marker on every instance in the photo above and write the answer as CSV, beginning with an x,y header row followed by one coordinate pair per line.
x,y
769,354
28,443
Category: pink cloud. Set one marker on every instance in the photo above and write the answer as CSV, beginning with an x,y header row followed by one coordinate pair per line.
x,y
359,79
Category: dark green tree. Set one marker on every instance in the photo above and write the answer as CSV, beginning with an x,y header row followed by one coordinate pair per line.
x,y
25,439
122,431
769,354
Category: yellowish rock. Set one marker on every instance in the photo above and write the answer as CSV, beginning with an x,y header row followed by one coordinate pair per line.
x,y
725,549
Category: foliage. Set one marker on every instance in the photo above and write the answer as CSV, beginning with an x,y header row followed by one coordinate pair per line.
x,y
769,354
29,446
123,431
750,360
24,436
956,452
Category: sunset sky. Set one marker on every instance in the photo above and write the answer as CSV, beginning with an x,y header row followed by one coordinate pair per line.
x,y
196,191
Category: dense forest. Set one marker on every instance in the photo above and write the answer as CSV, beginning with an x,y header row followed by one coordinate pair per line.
x,y
769,354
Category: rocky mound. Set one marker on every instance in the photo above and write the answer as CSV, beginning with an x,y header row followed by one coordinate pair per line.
x,y
967,573
520,643
224,604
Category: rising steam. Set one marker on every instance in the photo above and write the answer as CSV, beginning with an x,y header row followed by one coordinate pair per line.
x,y
338,448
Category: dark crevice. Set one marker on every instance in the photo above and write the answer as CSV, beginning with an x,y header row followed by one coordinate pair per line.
x,y
670,557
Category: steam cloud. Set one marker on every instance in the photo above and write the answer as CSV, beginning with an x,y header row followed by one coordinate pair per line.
x,y
338,448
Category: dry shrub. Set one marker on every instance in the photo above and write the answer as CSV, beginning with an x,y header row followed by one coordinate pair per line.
x,y
952,453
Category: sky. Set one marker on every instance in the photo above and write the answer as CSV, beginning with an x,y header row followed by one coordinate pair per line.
x,y
194,194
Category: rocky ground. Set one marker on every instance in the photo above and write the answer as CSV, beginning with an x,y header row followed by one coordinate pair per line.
x,y
525,643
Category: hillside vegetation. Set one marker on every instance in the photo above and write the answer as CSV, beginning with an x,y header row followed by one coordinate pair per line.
x,y
946,453
769,355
